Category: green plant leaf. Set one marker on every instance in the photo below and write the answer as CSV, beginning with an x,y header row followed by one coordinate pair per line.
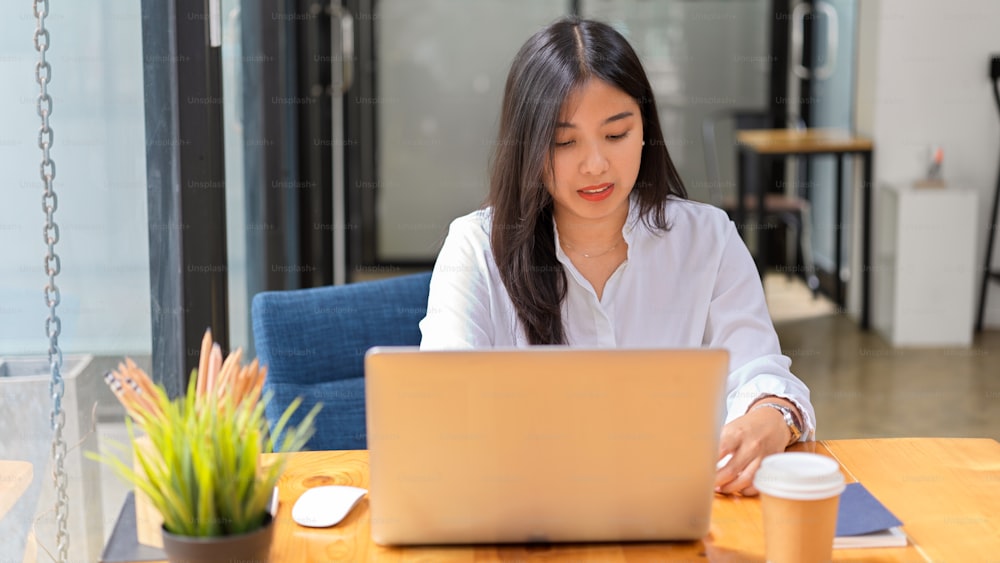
x,y
200,459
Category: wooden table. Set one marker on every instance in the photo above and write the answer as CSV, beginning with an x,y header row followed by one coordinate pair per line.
x,y
945,490
15,476
756,148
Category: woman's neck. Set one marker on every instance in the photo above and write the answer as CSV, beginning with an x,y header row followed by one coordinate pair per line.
x,y
591,235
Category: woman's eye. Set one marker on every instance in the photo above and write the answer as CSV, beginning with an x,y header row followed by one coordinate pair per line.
x,y
563,143
618,137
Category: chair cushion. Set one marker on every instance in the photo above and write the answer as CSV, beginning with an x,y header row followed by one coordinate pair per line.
x,y
340,425
313,342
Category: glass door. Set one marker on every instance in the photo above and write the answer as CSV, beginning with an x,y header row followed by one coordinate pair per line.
x,y
821,90
421,115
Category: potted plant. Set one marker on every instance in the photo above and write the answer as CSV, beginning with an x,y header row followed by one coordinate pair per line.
x,y
199,457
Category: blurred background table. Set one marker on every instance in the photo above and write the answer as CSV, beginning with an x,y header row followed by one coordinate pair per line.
x,y
756,148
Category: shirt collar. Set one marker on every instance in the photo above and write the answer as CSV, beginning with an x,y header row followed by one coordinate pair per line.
x,y
632,222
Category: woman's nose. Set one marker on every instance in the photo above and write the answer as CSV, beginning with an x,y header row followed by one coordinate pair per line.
x,y
594,162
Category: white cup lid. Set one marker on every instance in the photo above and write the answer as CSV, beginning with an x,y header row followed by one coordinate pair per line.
x,y
799,476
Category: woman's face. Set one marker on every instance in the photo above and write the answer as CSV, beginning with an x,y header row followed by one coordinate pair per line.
x,y
596,153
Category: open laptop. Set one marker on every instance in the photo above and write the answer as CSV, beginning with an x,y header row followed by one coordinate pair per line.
x,y
544,444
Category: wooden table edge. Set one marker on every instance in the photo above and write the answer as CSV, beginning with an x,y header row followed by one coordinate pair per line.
x,y
808,141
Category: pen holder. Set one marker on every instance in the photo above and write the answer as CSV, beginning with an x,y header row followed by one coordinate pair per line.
x,y
148,521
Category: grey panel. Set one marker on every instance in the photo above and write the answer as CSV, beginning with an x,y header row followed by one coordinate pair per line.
x,y
440,75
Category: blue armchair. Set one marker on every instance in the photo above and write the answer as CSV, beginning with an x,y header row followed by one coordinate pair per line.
x,y
313,342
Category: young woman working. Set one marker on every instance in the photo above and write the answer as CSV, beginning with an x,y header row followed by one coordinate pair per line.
x,y
588,240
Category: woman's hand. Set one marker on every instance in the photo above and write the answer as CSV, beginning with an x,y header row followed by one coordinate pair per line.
x,y
749,439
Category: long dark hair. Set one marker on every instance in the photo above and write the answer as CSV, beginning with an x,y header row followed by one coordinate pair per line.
x,y
550,65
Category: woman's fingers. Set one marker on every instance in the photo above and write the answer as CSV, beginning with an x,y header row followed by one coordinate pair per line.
x,y
743,483
726,475
747,441
737,474
732,446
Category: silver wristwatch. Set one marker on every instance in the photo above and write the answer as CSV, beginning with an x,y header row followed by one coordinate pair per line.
x,y
790,419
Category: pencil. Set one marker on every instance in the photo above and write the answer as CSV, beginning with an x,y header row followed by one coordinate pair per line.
x,y
203,358
229,368
132,400
235,386
214,365
141,378
144,401
116,389
251,378
258,386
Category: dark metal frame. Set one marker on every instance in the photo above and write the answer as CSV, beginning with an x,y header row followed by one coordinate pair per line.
x,y
750,162
314,186
778,82
185,174
270,162
988,273
360,153
186,168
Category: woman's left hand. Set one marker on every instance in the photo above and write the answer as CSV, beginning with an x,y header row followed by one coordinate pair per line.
x,y
750,438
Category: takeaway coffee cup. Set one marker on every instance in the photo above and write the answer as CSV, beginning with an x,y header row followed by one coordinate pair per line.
x,y
799,495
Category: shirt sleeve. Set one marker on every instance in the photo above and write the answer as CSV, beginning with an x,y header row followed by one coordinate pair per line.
x,y
458,311
738,320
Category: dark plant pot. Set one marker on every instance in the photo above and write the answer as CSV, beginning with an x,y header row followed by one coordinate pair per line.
x,y
252,546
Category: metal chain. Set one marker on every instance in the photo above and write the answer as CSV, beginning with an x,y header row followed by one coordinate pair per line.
x,y
53,325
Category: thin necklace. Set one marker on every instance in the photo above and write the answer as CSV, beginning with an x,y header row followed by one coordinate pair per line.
x,y
584,254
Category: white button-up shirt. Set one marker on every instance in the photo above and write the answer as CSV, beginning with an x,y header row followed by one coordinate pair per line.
x,y
693,286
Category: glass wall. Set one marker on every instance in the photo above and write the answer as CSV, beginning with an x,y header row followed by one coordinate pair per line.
x,y
99,140
236,217
99,150
440,80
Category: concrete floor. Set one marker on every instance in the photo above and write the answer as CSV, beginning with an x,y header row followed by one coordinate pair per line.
x,y
863,387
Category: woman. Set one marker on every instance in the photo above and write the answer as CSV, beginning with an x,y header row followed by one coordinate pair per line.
x,y
588,240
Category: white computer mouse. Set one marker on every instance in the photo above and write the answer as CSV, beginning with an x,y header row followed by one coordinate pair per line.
x,y
321,507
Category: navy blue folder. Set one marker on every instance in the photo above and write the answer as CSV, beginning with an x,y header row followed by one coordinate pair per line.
x,y
861,513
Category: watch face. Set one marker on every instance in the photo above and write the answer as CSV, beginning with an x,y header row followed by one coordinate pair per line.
x,y
795,423
792,423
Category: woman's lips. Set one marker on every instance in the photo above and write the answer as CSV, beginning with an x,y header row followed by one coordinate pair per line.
x,y
596,193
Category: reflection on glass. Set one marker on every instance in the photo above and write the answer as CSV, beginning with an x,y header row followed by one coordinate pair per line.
x,y
832,105
99,148
440,77
236,220
701,57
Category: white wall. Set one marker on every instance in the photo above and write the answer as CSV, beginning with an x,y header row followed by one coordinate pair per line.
x,y
923,80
